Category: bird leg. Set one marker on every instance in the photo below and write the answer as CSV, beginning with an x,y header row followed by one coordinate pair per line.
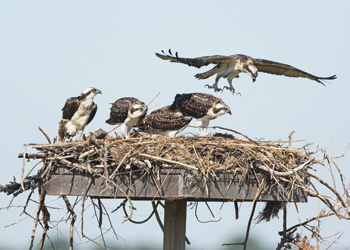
x,y
125,130
231,88
214,86
202,127
80,133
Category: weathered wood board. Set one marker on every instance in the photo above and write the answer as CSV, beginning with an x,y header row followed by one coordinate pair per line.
x,y
165,185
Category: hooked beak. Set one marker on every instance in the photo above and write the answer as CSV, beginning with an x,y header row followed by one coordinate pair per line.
x,y
229,112
254,76
98,92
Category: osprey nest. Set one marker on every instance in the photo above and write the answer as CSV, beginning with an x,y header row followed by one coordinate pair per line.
x,y
270,163
106,156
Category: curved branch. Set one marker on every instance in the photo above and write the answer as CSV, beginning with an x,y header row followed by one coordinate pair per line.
x,y
288,173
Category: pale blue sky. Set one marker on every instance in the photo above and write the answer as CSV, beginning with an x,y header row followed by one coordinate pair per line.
x,y
51,50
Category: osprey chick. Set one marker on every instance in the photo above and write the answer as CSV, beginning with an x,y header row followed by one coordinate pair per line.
x,y
231,66
203,107
127,111
77,113
164,121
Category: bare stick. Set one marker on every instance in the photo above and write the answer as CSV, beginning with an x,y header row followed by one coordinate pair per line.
x,y
114,129
293,171
284,237
153,99
23,167
74,216
42,199
170,161
47,138
31,156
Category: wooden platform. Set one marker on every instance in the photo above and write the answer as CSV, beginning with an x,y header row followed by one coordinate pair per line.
x,y
165,185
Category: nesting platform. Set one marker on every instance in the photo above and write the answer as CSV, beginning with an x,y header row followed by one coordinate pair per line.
x,y
177,170
167,184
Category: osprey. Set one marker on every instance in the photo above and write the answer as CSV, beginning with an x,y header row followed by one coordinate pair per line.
x,y
77,113
203,107
230,66
164,121
127,111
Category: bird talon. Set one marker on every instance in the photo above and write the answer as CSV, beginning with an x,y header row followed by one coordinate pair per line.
x,y
216,89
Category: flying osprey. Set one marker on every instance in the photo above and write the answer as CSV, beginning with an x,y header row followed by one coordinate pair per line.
x,y
230,66
127,111
203,107
164,121
77,113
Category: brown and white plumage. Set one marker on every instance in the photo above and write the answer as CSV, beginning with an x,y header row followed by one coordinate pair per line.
x,y
77,113
127,111
201,106
231,66
165,121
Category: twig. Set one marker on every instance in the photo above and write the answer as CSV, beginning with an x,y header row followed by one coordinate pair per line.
x,y
42,200
23,167
288,173
74,217
153,99
244,243
114,129
284,236
47,138
170,161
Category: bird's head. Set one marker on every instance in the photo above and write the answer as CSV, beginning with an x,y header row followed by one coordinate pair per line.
x,y
220,108
251,70
90,93
138,109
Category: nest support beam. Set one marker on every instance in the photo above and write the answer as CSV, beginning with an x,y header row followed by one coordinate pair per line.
x,y
175,225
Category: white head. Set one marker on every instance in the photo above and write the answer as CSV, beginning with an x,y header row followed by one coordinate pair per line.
x,y
137,110
219,109
89,93
251,70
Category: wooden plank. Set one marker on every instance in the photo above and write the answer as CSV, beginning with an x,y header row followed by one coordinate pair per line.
x,y
168,184
175,225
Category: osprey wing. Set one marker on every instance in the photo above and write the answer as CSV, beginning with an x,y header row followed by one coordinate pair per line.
x,y
277,68
163,119
195,62
71,106
195,105
119,111
92,113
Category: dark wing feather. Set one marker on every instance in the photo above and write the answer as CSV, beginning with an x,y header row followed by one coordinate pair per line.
x,y
71,106
163,119
119,111
198,61
92,113
195,105
277,68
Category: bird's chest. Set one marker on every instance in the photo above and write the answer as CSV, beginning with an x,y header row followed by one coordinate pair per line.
x,y
81,116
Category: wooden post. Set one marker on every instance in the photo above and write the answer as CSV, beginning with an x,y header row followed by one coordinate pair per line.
x,y
175,225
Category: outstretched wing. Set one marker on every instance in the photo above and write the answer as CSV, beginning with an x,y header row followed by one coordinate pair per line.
x,y
196,62
277,68
70,107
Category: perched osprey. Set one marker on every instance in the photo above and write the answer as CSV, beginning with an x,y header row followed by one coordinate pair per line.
x,y
203,107
164,121
77,113
230,66
127,111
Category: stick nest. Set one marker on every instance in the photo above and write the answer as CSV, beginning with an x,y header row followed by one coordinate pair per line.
x,y
107,155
